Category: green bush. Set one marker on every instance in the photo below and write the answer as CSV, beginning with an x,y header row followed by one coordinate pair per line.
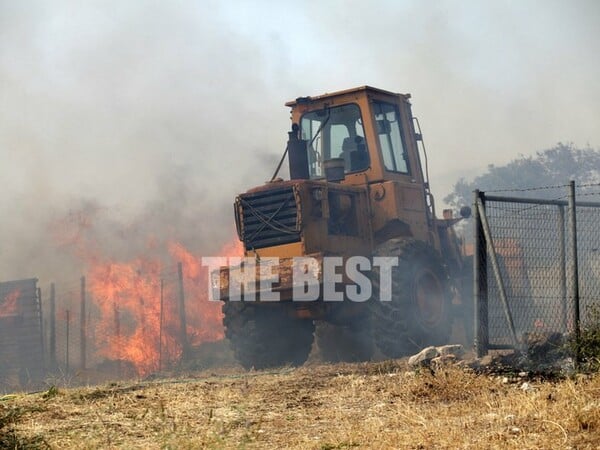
x,y
589,341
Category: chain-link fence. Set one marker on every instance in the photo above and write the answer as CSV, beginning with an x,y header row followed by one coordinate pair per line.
x,y
129,323
21,348
588,247
537,265
119,321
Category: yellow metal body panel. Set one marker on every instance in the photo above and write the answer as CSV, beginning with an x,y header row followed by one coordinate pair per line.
x,y
279,251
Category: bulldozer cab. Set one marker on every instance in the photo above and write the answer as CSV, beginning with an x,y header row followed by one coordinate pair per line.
x,y
370,129
370,133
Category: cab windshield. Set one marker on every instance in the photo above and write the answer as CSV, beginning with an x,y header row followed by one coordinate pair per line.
x,y
335,132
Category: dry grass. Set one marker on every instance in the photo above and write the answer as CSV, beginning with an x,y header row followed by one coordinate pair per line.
x,y
375,405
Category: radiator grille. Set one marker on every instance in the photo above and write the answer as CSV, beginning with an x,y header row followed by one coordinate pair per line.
x,y
269,218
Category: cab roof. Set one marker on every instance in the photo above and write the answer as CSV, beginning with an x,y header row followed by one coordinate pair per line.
x,y
346,91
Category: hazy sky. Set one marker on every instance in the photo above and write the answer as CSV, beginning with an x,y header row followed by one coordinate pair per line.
x,y
163,111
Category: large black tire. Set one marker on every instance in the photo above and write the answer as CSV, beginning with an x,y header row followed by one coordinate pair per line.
x,y
419,313
349,343
264,336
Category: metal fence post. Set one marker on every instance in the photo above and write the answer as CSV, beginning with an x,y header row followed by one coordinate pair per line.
x,y
52,337
160,326
117,320
574,268
82,327
491,251
67,338
182,321
42,331
480,280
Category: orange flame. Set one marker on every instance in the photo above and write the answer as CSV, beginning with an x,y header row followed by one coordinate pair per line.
x,y
206,324
127,295
134,304
9,305
137,323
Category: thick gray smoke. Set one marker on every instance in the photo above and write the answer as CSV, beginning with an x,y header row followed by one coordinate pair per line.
x,y
151,116
146,119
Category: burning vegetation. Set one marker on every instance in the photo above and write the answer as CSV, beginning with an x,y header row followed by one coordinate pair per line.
x,y
136,318
145,304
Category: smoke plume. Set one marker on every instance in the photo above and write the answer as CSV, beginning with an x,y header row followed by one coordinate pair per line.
x,y
141,120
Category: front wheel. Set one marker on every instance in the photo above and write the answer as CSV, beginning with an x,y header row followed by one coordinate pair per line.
x,y
419,313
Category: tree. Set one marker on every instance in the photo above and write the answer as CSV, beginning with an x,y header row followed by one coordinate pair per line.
x,y
552,167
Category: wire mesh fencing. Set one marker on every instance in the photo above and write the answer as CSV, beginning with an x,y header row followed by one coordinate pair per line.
x,y
21,349
126,325
537,266
588,245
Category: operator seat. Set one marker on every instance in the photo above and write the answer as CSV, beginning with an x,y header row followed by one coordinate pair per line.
x,y
354,153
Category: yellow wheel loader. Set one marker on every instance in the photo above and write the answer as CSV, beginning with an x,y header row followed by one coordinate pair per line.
x,y
349,244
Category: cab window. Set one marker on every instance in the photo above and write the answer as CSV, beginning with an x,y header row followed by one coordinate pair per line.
x,y
335,132
391,142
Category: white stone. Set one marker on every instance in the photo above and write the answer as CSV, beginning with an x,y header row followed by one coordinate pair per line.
x,y
527,387
453,349
424,357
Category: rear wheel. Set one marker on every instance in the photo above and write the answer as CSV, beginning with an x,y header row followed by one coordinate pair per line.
x,y
264,336
419,313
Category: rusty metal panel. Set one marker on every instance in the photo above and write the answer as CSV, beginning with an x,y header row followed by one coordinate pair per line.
x,y
21,345
279,270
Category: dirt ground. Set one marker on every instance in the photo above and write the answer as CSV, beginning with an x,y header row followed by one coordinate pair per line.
x,y
366,405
